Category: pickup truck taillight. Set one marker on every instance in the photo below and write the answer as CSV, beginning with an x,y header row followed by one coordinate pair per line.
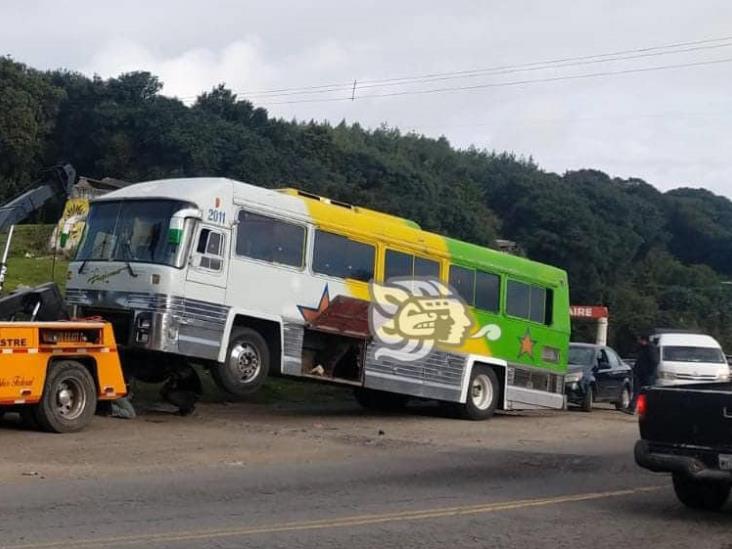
x,y
641,405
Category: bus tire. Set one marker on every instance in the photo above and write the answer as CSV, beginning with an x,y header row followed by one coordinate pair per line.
x,y
484,391
69,398
246,366
380,401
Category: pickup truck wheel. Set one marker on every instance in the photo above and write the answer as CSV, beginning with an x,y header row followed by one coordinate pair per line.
x,y
69,398
246,365
380,401
709,496
588,400
483,393
624,402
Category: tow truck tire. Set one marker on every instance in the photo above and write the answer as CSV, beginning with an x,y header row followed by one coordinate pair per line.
x,y
380,401
708,496
588,400
69,398
484,391
246,365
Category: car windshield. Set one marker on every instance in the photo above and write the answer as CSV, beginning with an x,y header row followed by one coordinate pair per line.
x,y
693,354
581,356
130,230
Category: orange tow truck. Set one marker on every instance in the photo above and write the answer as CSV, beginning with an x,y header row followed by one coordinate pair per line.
x,y
53,370
58,370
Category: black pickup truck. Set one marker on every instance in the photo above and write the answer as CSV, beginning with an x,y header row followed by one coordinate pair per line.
x,y
687,431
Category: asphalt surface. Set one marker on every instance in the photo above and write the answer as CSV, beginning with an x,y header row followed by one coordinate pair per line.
x,y
387,494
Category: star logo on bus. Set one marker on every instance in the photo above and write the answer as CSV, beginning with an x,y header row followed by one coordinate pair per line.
x,y
526,345
311,313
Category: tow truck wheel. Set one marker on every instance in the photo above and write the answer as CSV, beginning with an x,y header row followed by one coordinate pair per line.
x,y
69,398
709,496
483,393
246,365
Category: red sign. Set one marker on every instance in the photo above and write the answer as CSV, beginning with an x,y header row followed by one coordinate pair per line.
x,y
588,311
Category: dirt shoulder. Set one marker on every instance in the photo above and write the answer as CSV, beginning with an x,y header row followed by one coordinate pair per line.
x,y
304,428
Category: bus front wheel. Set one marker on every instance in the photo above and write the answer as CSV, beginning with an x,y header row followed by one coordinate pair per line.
x,y
483,394
246,365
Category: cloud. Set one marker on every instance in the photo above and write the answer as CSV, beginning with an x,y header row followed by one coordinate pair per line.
x,y
670,128
240,65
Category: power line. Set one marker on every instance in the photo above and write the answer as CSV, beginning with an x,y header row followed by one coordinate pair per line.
x,y
480,73
505,84
530,65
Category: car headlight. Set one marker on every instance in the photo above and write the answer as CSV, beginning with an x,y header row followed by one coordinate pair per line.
x,y
573,378
666,375
724,376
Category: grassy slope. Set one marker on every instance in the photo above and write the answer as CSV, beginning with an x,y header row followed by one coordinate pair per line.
x,y
30,262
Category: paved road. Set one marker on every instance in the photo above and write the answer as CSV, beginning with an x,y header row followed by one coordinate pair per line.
x,y
403,495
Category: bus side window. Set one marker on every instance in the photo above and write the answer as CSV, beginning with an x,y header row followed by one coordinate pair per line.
x,y
529,302
426,267
211,247
269,239
339,256
463,281
487,291
402,264
397,264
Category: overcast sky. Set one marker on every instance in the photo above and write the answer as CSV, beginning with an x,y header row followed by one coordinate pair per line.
x,y
669,126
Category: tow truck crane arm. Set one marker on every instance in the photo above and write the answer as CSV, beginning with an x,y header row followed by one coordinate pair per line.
x,y
21,207
43,302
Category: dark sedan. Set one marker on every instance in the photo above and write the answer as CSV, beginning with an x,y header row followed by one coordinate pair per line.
x,y
597,374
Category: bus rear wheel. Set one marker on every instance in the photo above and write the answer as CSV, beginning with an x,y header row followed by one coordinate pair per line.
x,y
246,365
69,398
483,394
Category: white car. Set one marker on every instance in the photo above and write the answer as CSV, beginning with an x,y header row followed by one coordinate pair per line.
x,y
689,358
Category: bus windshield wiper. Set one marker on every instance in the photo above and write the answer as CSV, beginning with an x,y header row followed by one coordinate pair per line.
x,y
133,274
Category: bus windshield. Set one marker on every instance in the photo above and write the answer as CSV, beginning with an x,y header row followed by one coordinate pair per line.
x,y
134,231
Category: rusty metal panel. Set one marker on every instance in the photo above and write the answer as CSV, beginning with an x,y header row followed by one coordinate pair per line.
x,y
345,315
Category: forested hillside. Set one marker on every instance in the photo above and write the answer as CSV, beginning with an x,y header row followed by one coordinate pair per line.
x,y
655,259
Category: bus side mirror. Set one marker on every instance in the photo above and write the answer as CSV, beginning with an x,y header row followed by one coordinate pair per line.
x,y
177,223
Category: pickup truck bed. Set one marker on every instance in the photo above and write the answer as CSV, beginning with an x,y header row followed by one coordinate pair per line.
x,y
687,430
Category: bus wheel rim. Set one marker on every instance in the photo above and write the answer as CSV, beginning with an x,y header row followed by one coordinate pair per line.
x,y
481,392
70,399
245,362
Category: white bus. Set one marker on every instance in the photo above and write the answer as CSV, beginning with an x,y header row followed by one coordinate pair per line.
x,y
250,281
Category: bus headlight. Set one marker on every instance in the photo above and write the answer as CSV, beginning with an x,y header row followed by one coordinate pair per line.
x,y
143,327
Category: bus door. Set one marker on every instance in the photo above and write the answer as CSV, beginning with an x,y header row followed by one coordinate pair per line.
x,y
208,267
